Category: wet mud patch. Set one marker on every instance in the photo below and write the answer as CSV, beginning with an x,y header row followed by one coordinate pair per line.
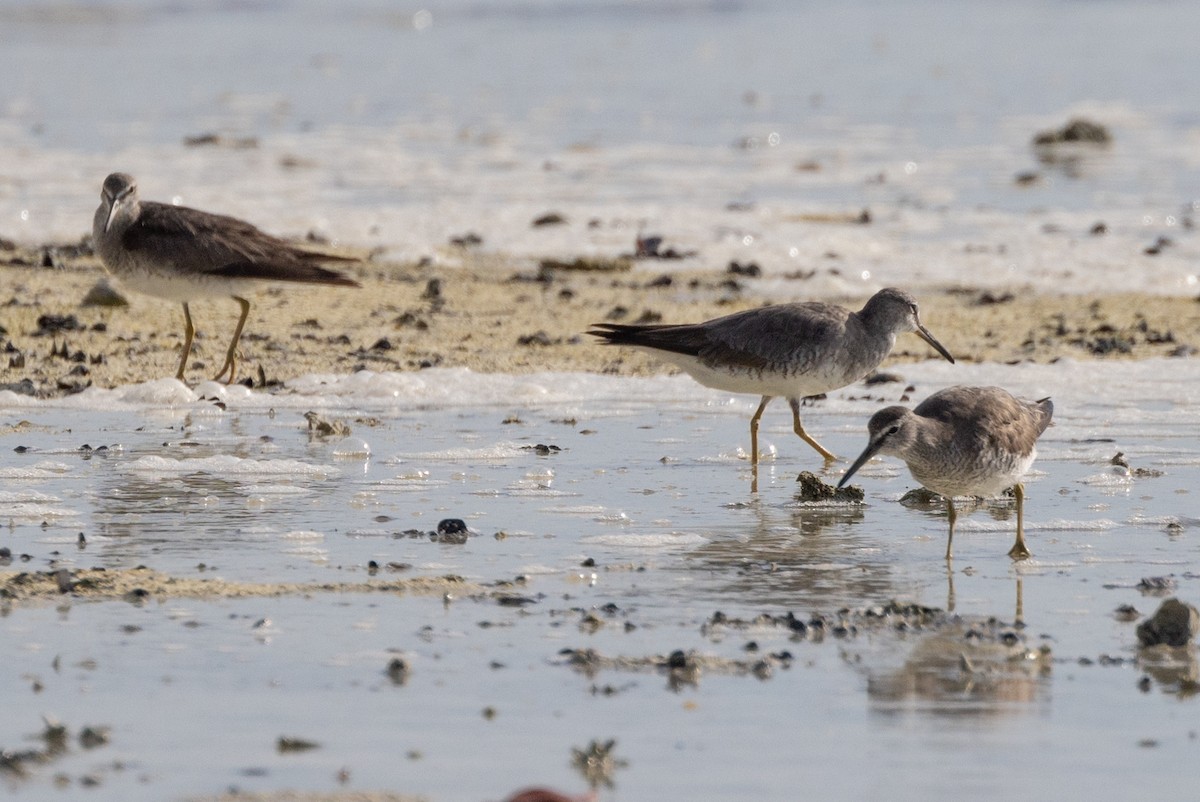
x,y
142,584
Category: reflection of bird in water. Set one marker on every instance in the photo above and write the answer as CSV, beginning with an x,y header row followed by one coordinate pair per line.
x,y
967,668
963,441
791,350
966,663
771,557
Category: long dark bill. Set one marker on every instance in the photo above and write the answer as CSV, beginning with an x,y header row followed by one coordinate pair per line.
x,y
924,334
871,450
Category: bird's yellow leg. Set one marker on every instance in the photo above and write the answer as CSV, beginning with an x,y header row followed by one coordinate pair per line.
x,y
758,413
799,427
231,355
189,331
1020,551
953,520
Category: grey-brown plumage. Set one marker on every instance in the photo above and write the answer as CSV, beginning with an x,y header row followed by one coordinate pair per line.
x,y
181,254
963,441
791,350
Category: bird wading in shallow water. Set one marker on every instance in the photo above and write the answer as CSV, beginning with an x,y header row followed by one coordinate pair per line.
x,y
963,441
182,254
790,350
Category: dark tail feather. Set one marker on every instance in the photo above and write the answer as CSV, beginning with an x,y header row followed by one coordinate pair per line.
x,y
680,338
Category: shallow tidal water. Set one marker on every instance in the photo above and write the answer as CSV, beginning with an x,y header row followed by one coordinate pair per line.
x,y
647,481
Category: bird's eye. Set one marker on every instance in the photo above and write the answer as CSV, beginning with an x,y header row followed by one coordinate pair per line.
x,y
912,308
893,430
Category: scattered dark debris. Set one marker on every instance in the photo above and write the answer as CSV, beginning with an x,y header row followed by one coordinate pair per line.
x,y
1174,623
1099,229
432,291
814,490
1140,473
320,427
598,264
650,247
1157,247
597,763
1126,613
988,298
1156,585
55,740
1027,178
286,744
514,600
618,312
749,270
882,377
1079,129
211,139
53,324
468,240
538,338
549,219
93,737
542,450
411,320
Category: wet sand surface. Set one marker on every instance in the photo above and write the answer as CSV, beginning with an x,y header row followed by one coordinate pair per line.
x,y
493,314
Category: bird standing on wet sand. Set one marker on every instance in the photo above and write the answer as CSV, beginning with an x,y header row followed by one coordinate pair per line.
x,y
963,441
182,254
790,350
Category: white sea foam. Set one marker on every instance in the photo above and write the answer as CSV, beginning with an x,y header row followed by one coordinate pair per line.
x,y
227,466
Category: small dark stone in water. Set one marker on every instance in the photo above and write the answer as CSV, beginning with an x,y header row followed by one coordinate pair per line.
x,y
1126,612
451,530
397,671
677,659
1156,584
287,744
1078,129
92,737
1175,623
920,497
512,600
451,526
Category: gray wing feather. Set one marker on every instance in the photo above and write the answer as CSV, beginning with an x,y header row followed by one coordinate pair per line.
x,y
220,245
